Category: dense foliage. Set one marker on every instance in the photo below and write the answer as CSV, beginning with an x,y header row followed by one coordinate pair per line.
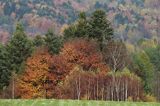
x,y
86,62
132,19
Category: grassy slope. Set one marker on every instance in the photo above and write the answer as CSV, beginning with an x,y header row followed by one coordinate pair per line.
x,y
70,103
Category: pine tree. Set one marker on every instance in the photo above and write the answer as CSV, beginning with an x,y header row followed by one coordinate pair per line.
x,y
78,29
70,32
38,41
4,68
19,48
53,42
95,27
82,24
100,28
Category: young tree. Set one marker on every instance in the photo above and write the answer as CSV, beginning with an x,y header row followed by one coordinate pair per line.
x,y
81,84
127,86
78,84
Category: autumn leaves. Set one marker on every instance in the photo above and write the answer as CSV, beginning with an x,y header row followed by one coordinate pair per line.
x,y
44,72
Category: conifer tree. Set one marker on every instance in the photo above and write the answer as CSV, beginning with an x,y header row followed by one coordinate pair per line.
x,y
19,48
53,42
100,28
4,67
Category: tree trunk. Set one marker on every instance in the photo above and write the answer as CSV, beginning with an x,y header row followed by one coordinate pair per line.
x,y
13,84
13,88
126,91
97,89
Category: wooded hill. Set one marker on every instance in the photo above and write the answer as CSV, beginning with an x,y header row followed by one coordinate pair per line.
x,y
86,61
131,19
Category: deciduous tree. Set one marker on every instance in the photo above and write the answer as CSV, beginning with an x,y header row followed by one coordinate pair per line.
x,y
143,67
84,53
34,82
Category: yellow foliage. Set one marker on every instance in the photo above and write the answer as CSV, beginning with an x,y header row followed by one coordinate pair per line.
x,y
150,98
32,82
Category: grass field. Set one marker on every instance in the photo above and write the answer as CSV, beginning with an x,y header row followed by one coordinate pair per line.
x,y
70,103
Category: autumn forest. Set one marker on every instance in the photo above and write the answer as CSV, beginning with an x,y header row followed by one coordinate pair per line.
x,y
86,61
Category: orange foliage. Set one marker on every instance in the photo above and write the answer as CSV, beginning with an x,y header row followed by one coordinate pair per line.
x,y
44,73
84,53
79,52
32,83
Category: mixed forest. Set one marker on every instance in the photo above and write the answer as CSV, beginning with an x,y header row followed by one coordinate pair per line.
x,y
80,49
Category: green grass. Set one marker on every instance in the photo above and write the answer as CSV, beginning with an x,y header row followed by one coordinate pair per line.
x,y
70,103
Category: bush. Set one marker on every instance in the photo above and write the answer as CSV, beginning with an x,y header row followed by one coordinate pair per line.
x,y
149,98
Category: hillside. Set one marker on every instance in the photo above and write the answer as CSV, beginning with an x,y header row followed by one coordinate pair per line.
x,y
53,50
132,19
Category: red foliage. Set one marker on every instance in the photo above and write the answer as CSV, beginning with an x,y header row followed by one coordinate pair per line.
x,y
83,53
35,82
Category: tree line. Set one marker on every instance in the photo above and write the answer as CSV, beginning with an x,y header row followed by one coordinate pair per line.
x,y
86,62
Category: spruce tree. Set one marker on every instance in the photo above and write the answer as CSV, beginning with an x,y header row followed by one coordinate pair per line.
x,y
38,41
100,28
19,48
81,26
78,29
53,42
4,67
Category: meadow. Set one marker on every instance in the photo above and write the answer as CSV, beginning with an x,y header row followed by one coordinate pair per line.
x,y
43,102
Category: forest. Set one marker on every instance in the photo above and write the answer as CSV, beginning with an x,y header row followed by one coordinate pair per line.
x,y
86,61
132,20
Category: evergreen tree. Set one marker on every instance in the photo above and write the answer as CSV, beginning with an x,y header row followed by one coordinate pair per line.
x,y
70,32
53,42
97,27
4,67
78,29
19,48
100,28
38,41
81,27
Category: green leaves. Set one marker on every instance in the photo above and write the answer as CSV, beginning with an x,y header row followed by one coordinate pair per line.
x,y
154,55
144,68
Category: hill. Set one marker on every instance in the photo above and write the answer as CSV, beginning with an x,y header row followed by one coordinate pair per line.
x,y
132,19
